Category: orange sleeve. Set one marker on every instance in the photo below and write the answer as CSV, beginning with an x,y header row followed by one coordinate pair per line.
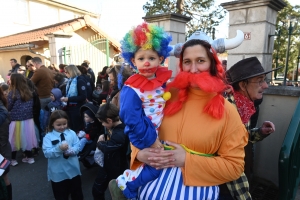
x,y
134,162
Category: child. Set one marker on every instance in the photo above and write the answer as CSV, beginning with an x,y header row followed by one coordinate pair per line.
x,y
114,149
21,129
91,130
141,100
63,168
54,104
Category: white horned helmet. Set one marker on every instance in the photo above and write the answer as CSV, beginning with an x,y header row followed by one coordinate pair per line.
x,y
220,45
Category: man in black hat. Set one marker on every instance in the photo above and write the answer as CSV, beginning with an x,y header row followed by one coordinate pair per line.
x,y
248,80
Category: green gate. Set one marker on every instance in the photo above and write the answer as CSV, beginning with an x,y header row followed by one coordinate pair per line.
x,y
96,51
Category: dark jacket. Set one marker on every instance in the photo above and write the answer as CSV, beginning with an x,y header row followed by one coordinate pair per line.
x,y
115,149
14,69
93,131
5,148
89,86
92,74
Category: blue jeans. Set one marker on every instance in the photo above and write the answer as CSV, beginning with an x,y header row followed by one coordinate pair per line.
x,y
83,142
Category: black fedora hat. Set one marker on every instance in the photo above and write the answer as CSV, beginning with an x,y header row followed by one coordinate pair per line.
x,y
244,69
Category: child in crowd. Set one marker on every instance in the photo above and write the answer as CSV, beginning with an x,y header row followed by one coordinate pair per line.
x,y
63,167
4,88
141,99
91,129
54,104
21,129
114,149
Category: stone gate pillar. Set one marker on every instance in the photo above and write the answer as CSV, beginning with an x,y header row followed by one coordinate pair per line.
x,y
174,24
257,19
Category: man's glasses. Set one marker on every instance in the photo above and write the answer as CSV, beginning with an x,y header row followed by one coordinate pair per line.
x,y
265,80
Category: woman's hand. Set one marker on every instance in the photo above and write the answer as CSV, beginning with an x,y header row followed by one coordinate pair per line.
x,y
160,158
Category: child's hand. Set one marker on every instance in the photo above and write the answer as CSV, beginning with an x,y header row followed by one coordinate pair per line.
x,y
64,146
157,144
101,138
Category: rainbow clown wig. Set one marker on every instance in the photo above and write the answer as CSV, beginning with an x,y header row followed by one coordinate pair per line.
x,y
145,36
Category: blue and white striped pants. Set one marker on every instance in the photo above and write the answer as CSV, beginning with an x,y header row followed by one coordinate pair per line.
x,y
169,186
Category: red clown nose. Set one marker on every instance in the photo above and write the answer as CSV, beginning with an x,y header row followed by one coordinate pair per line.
x,y
147,63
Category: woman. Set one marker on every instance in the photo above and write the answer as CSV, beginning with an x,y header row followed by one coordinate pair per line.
x,y
75,97
101,94
21,129
117,76
5,148
60,81
53,67
199,117
89,84
102,75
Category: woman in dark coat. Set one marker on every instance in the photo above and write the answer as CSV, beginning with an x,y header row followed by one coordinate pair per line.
x,y
76,96
5,148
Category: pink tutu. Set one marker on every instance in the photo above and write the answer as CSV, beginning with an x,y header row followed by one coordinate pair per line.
x,y
22,135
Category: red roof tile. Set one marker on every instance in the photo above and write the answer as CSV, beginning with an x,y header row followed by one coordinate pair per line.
x,y
39,34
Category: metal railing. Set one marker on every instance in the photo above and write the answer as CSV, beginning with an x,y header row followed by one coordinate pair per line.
x,y
95,50
289,159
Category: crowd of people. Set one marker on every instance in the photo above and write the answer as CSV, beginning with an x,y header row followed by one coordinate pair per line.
x,y
190,137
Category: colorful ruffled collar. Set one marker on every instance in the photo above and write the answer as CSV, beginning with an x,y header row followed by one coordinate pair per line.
x,y
162,75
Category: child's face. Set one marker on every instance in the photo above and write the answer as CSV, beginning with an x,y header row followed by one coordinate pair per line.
x,y
107,124
60,125
52,97
147,62
87,118
5,93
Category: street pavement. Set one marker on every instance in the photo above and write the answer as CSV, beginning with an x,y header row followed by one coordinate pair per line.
x,y
29,181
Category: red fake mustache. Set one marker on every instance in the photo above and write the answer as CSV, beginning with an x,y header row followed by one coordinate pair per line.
x,y
204,81
148,70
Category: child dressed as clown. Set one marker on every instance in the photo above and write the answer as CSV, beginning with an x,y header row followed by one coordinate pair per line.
x,y
142,97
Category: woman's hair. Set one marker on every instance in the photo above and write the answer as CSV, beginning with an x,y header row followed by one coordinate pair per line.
x,y
53,67
2,97
103,72
105,86
72,70
215,62
108,110
19,83
121,74
82,69
114,71
59,77
57,114
62,66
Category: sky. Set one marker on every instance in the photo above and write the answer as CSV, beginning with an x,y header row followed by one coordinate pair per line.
x,y
118,16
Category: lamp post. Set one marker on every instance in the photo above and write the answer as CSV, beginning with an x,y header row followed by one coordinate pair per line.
x,y
290,30
298,64
278,45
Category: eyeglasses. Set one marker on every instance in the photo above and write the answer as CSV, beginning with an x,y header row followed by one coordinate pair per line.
x,y
265,80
